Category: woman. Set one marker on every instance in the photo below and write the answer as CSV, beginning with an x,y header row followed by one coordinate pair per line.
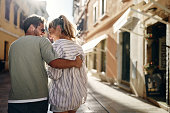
x,y
68,87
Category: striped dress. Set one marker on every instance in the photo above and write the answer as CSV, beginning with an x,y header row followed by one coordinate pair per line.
x,y
68,87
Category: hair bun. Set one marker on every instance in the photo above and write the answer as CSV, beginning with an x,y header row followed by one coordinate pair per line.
x,y
61,17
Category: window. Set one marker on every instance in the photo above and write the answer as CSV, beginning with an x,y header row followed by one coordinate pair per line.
x,y
86,24
102,7
22,17
21,20
86,60
7,9
15,14
6,50
0,3
103,56
94,59
83,2
81,25
95,12
0,6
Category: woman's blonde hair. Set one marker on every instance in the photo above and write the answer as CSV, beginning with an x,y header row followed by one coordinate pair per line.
x,y
66,27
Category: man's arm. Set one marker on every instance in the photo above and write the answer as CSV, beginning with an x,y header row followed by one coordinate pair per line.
x,y
62,63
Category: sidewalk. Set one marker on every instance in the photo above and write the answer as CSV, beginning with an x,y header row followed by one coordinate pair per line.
x,y
115,100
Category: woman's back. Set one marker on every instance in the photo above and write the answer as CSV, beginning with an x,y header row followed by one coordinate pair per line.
x,y
68,87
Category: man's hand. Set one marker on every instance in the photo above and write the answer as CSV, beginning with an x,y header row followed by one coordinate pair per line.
x,y
78,63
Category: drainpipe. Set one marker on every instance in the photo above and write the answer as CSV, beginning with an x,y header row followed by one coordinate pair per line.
x,y
168,62
167,79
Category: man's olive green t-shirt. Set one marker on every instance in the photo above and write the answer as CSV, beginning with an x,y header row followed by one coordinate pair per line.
x,y
29,79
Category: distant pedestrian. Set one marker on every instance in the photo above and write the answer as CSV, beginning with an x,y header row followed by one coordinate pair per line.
x,y
68,87
29,80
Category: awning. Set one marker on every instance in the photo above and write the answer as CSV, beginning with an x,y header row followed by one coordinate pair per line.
x,y
89,46
122,20
127,21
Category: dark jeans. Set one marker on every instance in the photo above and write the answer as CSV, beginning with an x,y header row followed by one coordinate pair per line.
x,y
31,107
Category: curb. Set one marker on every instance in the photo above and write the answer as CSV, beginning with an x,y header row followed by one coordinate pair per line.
x,y
159,104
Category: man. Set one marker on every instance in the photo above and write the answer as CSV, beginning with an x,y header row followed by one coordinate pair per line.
x,y
29,79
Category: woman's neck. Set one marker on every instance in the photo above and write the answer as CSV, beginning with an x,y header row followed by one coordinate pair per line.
x,y
56,38
65,37
61,37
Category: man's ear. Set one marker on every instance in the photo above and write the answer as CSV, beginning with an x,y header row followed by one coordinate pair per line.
x,y
31,28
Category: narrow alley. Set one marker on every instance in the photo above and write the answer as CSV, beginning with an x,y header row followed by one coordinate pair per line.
x,y
121,42
102,98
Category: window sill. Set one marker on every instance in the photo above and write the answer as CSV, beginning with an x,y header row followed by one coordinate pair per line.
x,y
7,20
86,31
123,1
21,30
95,24
16,27
103,16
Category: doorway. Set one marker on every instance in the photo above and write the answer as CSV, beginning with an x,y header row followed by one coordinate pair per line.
x,y
156,58
126,57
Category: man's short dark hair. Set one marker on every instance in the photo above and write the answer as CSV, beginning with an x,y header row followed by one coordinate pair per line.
x,y
35,20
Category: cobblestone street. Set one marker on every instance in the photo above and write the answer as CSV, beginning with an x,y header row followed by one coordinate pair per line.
x,y
4,89
102,98
90,106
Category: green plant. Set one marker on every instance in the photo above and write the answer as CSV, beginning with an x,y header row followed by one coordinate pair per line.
x,y
148,36
149,67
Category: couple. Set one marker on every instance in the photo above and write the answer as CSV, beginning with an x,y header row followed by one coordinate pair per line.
x,y
29,80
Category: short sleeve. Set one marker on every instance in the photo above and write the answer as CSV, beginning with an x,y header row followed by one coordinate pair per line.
x,y
47,51
58,50
54,73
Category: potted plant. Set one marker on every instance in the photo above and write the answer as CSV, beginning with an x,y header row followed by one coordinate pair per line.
x,y
149,68
148,36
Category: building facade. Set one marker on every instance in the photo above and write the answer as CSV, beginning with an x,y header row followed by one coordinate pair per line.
x,y
12,14
127,43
